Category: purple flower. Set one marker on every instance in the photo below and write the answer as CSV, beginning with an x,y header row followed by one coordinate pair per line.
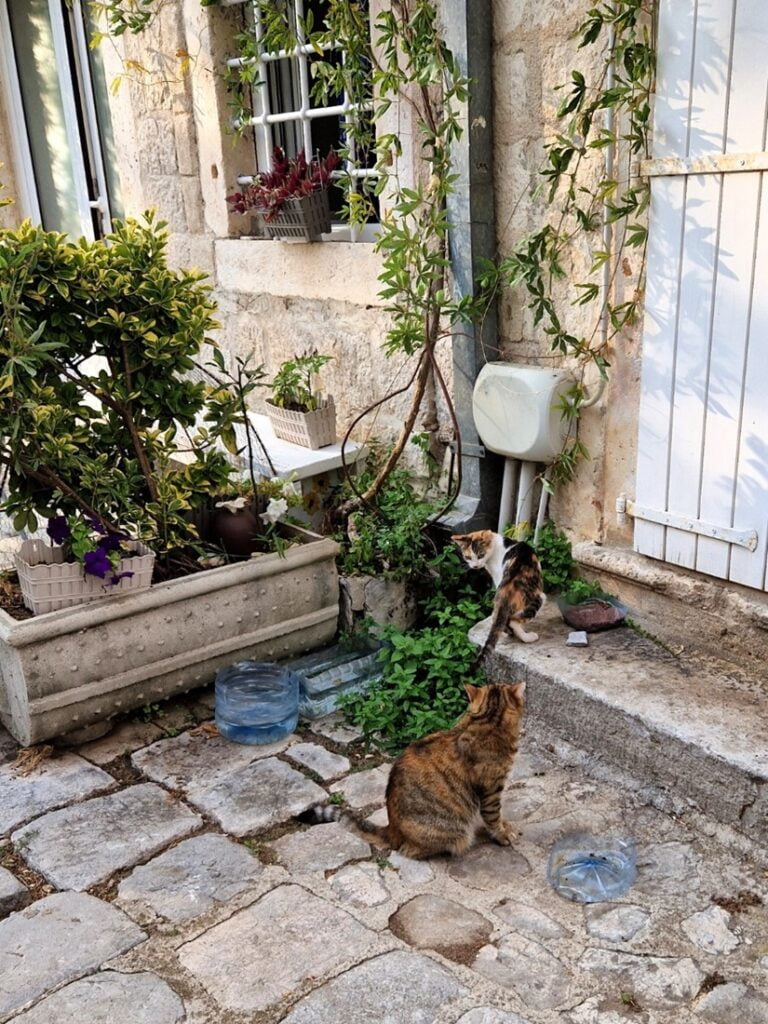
x,y
94,524
58,529
97,563
112,541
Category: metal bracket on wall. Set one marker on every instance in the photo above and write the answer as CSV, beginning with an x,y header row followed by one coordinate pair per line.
x,y
471,451
742,538
715,163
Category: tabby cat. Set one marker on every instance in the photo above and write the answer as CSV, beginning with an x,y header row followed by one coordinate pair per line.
x,y
446,785
516,574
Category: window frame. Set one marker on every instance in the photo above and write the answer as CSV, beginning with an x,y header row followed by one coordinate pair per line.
x,y
264,118
75,82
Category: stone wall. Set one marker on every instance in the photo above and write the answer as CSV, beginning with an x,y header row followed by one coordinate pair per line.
x,y
534,55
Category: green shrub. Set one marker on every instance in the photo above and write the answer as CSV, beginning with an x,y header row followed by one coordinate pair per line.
x,y
96,343
389,540
582,590
556,557
422,686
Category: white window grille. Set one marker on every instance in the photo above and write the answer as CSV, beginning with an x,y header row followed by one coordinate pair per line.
x,y
52,103
283,114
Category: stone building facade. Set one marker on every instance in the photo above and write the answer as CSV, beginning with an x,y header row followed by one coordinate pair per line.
x,y
168,107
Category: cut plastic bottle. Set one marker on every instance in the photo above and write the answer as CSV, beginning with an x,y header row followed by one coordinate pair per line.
x,y
256,702
592,869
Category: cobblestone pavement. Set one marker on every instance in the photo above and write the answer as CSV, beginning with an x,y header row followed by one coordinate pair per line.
x,y
151,878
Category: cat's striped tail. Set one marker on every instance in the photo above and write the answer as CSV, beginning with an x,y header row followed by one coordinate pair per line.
x,y
321,814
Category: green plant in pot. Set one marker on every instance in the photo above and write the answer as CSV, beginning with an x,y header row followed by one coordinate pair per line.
x,y
297,411
97,342
106,421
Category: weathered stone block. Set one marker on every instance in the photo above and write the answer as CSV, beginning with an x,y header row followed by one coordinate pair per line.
x,y
431,922
263,954
83,844
58,939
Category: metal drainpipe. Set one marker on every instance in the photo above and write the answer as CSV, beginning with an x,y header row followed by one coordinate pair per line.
x,y
467,25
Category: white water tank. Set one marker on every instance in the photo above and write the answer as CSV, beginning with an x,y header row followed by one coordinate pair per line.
x,y
516,410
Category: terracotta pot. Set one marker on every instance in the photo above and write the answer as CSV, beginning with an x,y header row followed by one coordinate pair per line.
x,y
593,615
237,532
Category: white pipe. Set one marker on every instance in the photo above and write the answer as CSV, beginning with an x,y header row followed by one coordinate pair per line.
x,y
543,499
508,483
525,492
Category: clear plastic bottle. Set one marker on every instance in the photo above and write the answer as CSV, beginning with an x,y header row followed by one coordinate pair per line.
x,y
256,702
591,869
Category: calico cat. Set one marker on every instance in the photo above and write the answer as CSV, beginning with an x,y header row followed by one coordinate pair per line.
x,y
444,786
516,573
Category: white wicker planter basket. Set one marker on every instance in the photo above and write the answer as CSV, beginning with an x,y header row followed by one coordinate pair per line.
x,y
308,429
48,582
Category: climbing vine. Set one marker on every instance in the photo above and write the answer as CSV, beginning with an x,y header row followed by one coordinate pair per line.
x,y
624,85
401,59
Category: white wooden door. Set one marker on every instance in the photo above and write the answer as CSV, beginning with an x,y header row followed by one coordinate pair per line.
x,y
702,471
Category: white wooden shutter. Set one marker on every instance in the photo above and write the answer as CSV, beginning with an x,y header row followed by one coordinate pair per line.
x,y
702,471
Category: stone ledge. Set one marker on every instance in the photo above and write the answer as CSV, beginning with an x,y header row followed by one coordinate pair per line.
x,y
686,609
340,271
663,719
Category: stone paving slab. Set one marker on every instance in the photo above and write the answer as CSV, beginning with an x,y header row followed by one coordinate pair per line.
x,y
616,923
488,1015
733,1003
191,878
319,760
251,962
396,988
198,762
490,866
320,848
364,788
109,998
78,846
335,727
257,796
361,885
527,967
13,894
125,738
432,922
56,940
57,781
529,920
660,982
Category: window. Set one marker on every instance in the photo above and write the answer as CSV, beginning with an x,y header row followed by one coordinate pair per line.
x,y
59,117
284,113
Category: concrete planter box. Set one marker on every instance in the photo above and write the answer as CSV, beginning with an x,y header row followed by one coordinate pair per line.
x,y
67,669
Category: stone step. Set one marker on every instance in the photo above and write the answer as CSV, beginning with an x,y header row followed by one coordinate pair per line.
x,y
667,720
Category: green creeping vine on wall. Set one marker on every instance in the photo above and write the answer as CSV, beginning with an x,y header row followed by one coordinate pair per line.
x,y
626,31
402,59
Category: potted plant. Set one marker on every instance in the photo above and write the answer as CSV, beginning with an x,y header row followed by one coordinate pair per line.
x,y
88,562
292,198
97,407
585,605
297,412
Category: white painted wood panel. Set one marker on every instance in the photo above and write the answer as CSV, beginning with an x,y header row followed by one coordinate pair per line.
x,y
703,433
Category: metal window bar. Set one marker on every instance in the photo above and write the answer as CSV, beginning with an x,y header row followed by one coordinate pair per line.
x,y
264,118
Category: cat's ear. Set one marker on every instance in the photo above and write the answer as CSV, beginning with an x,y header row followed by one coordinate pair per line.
x,y
459,538
516,693
472,691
